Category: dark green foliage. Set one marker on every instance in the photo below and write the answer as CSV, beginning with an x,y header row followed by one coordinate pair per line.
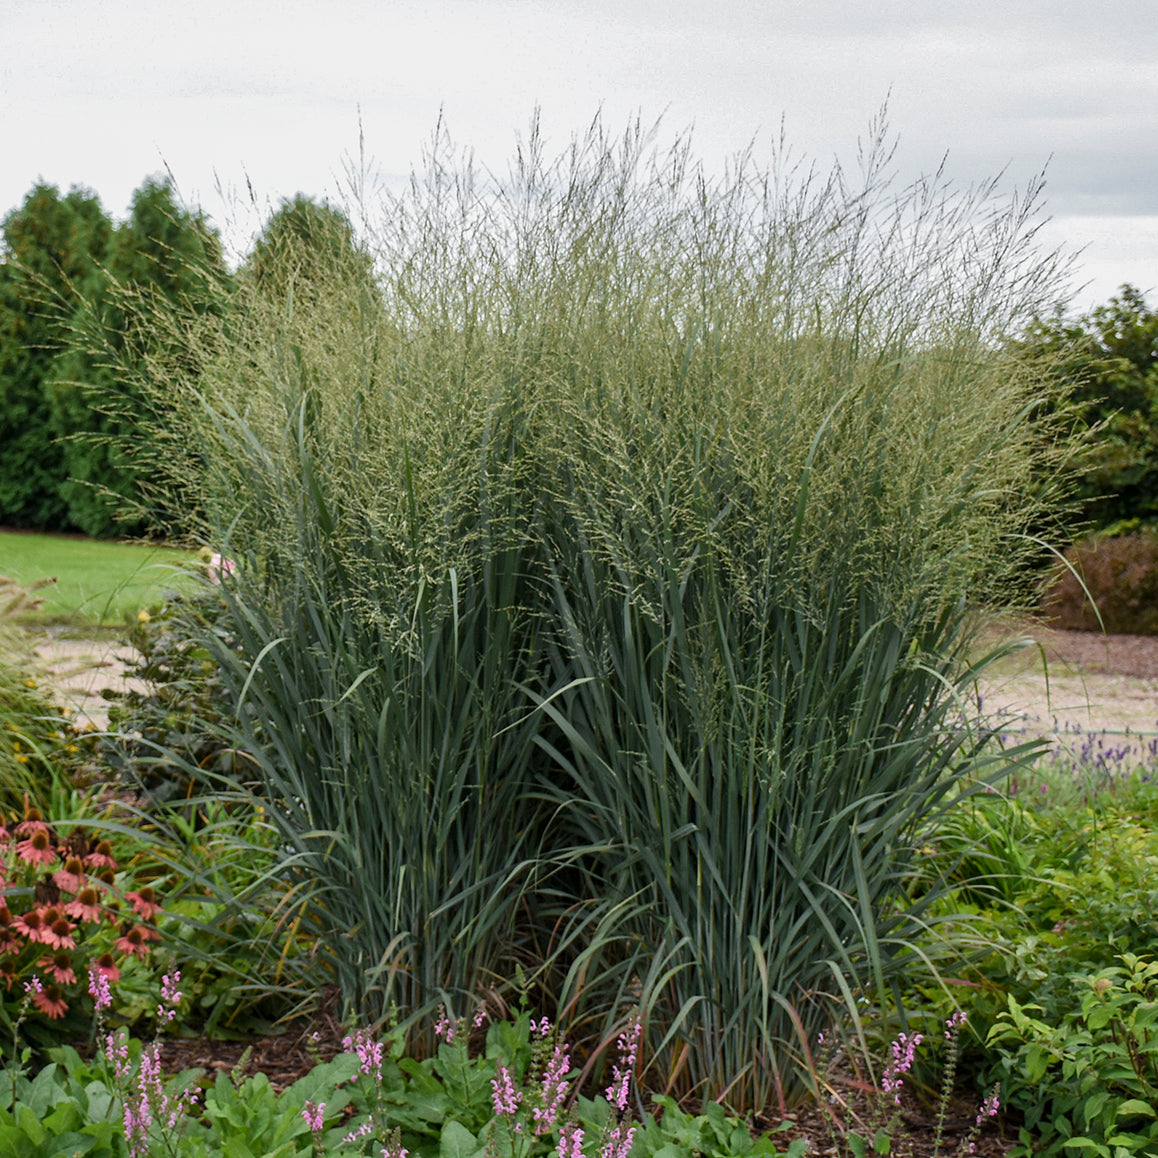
x,y
163,260
1110,584
75,293
53,250
303,244
1108,359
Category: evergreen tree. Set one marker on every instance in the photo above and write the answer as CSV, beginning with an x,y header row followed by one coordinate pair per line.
x,y
304,243
53,250
163,261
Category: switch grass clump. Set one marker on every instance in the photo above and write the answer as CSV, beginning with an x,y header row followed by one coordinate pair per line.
x,y
606,536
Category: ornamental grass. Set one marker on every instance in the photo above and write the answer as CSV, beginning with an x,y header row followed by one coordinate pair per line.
x,y
606,541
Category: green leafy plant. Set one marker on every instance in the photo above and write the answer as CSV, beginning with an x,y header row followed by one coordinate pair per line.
x,y
175,711
36,738
1108,362
514,1097
1088,1079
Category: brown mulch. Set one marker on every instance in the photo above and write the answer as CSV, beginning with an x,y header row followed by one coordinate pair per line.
x,y
283,1058
915,1136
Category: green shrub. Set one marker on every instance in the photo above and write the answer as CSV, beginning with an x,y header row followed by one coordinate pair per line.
x,y
603,576
1086,1081
1051,887
1110,584
1108,362
157,732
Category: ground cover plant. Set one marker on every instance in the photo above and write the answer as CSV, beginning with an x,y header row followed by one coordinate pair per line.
x,y
602,543
96,583
504,1086
1060,871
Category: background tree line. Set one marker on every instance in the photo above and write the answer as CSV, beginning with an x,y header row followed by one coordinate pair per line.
x,y
1108,360
78,303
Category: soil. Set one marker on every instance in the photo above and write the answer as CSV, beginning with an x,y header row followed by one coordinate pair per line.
x,y
1063,681
1067,682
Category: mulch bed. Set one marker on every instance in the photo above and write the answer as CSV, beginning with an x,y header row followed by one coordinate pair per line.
x,y
283,1058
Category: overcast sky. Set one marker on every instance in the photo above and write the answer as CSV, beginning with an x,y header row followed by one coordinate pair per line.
x,y
102,93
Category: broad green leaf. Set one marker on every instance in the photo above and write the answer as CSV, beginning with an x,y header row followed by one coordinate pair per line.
x,y
457,1142
1135,1107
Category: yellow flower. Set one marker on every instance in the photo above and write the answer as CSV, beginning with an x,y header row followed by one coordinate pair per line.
x,y
143,616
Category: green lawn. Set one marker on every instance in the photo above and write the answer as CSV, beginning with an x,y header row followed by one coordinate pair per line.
x,y
98,584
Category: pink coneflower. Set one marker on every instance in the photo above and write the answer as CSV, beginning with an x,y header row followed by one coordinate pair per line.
x,y
135,941
70,878
50,1001
37,849
101,857
144,903
31,925
59,965
86,906
33,822
106,966
58,929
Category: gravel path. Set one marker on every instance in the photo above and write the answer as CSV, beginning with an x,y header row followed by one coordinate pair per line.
x,y
1073,681
81,670
1090,682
